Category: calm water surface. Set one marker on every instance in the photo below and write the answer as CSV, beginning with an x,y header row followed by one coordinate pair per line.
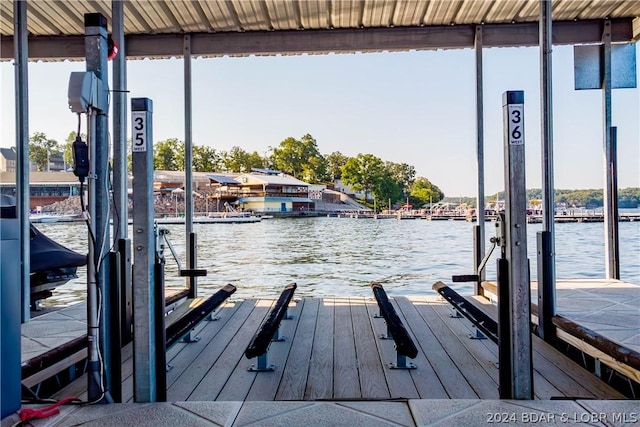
x,y
341,256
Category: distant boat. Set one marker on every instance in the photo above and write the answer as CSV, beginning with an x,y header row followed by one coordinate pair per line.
x,y
44,218
51,264
217,218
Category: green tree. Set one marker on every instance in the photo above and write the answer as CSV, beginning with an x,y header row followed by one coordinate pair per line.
x,y
386,188
423,191
363,172
40,149
168,155
299,158
205,159
334,162
239,160
403,174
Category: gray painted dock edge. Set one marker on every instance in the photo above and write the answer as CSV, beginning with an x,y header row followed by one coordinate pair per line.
x,y
418,412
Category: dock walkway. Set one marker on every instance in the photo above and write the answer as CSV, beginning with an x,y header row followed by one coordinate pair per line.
x,y
332,352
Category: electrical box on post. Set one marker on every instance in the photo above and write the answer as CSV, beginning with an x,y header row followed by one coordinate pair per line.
x,y
83,91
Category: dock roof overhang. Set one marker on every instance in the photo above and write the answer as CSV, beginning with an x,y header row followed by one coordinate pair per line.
x,y
156,29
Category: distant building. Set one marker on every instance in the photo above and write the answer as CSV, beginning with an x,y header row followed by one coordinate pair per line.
x,y
8,159
45,187
340,186
56,162
274,193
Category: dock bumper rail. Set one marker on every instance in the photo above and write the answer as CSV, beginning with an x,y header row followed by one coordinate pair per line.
x,y
270,327
480,320
182,325
403,342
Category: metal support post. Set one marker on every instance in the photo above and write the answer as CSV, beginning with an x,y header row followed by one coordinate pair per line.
x,y
160,331
516,246
124,271
478,256
21,81
120,175
262,365
116,331
98,291
479,231
401,363
546,290
610,221
388,335
276,335
192,282
614,236
145,344
505,380
119,97
545,238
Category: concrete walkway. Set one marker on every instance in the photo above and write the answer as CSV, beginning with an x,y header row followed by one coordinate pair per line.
x,y
349,413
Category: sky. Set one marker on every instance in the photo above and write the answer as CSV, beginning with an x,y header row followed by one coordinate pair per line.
x,y
407,107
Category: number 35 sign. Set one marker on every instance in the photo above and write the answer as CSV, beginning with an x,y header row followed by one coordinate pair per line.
x,y
139,127
516,124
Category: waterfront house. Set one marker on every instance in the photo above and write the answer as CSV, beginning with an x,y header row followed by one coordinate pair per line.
x,y
274,193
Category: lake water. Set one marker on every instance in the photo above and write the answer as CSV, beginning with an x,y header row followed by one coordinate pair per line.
x,y
341,256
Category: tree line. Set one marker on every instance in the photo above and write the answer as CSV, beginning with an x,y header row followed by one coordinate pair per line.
x,y
380,181
590,199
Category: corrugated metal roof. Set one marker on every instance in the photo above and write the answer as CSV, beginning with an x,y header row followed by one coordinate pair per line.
x,y
143,18
65,17
224,179
270,180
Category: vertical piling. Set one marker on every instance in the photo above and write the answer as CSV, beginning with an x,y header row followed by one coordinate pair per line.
x,y
21,54
610,217
192,283
99,290
144,329
546,238
519,303
479,230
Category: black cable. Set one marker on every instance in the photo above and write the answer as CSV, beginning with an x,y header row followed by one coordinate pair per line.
x,y
86,220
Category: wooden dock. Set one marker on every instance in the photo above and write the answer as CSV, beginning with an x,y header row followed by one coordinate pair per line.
x,y
333,351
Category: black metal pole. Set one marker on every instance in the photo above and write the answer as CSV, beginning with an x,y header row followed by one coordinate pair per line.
x,y
505,380
161,339
546,288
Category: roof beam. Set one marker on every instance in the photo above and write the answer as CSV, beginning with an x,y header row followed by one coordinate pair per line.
x,y
324,41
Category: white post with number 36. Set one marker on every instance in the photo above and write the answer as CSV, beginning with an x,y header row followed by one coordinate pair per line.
x,y
514,305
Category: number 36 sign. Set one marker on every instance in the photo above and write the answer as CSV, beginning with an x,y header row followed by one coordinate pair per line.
x,y
139,129
516,124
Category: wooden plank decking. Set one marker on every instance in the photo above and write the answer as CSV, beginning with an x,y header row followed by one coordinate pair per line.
x,y
332,351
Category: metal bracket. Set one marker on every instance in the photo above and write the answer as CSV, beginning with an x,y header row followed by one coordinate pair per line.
x,y
478,335
401,363
189,339
388,335
262,365
276,336
455,314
